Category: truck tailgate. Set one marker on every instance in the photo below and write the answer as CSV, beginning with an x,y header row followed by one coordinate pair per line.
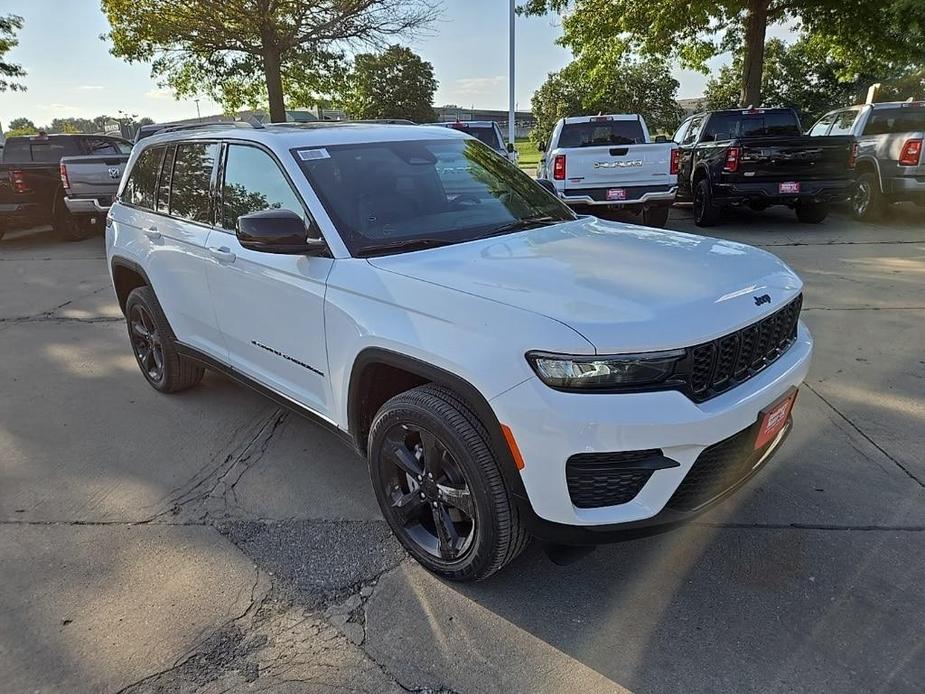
x,y
95,175
618,166
803,158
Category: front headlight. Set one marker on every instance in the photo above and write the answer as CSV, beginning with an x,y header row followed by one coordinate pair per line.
x,y
621,371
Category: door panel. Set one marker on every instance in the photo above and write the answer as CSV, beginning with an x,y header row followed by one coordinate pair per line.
x,y
270,307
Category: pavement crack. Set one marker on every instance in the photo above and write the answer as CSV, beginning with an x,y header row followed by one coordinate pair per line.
x,y
811,526
860,431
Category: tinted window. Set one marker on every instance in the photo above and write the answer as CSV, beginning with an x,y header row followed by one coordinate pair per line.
x,y
101,145
445,191
902,119
17,150
482,133
189,190
729,125
163,186
142,181
694,131
844,120
51,150
822,126
254,182
601,133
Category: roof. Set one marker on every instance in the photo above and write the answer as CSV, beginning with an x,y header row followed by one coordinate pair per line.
x,y
318,133
465,124
614,116
895,104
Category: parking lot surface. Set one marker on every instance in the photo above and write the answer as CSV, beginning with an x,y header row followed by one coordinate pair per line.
x,y
212,542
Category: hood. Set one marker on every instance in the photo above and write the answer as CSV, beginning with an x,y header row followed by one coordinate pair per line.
x,y
623,287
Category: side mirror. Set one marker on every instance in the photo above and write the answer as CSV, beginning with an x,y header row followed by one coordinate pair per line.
x,y
510,147
661,138
541,147
277,231
548,185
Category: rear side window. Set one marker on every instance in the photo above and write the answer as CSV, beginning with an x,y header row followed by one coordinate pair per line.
x,y
163,186
844,121
694,132
142,181
822,126
254,182
601,133
903,119
192,172
681,132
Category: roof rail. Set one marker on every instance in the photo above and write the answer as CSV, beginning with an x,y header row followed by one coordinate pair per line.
x,y
214,124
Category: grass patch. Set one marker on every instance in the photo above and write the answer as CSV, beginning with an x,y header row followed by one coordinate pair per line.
x,y
528,154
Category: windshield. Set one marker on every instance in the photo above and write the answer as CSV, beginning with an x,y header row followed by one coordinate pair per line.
x,y
482,133
385,195
602,133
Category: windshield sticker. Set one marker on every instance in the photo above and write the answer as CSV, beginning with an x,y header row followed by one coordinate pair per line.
x,y
312,154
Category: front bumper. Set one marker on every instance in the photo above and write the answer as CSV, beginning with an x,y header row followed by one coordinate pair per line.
x,y
769,193
635,195
550,426
94,205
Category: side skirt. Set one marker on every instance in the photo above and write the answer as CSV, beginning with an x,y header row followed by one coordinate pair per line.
x,y
280,399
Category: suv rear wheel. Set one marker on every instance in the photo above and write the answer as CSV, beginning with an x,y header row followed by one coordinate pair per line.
x,y
439,486
154,346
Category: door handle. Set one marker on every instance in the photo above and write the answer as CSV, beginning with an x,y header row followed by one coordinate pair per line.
x,y
152,233
222,254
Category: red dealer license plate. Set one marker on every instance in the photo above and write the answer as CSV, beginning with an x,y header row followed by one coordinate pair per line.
x,y
789,187
773,419
616,194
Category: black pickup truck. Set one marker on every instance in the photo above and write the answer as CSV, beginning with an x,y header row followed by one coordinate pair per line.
x,y
32,189
759,157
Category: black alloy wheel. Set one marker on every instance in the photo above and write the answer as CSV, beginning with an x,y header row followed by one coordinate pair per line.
x,y
146,343
430,500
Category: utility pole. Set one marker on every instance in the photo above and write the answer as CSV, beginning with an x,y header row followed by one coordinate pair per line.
x,y
511,128
198,115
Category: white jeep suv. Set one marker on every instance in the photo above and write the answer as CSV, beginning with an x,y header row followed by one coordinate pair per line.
x,y
509,370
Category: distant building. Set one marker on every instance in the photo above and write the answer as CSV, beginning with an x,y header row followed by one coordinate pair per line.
x,y
695,105
523,119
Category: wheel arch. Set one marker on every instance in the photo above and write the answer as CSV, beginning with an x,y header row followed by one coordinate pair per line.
x,y
126,276
363,402
869,165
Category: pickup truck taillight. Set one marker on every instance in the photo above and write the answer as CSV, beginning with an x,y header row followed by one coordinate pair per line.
x,y
18,181
675,162
558,167
62,169
731,165
911,152
853,155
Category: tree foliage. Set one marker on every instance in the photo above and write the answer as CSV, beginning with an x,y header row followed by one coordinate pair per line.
x,y
623,86
10,73
396,83
252,51
861,36
802,75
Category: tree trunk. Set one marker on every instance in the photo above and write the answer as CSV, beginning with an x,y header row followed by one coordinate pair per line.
x,y
274,78
756,26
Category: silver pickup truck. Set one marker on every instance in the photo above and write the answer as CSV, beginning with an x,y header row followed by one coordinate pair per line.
x,y
889,160
90,181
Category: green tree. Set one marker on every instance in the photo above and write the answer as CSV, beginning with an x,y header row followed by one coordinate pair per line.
x,y
10,72
246,50
623,86
861,35
393,84
22,124
801,75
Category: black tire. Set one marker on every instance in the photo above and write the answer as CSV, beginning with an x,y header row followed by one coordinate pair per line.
x,y
812,212
655,216
69,227
434,417
2,231
154,345
706,214
868,203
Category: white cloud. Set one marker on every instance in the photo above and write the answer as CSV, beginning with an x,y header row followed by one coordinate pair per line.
x,y
479,86
160,93
61,109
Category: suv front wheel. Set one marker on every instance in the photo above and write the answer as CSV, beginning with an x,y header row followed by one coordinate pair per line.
x,y
439,486
154,346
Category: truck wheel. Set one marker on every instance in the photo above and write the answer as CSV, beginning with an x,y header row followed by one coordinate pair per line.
x,y
154,346
439,486
656,216
706,214
68,226
812,212
2,230
867,203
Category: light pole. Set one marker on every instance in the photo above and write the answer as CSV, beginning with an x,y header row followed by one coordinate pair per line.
x,y
511,129
198,115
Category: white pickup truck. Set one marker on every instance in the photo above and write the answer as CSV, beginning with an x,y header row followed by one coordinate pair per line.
x,y
602,163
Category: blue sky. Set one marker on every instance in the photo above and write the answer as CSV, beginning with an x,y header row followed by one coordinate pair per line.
x,y
71,72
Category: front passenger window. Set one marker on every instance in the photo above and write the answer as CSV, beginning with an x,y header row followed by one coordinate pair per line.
x,y
254,182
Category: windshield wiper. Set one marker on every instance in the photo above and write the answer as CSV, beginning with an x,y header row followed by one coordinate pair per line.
x,y
521,225
403,245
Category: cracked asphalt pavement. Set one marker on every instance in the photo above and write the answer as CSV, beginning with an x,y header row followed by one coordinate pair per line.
x,y
213,542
